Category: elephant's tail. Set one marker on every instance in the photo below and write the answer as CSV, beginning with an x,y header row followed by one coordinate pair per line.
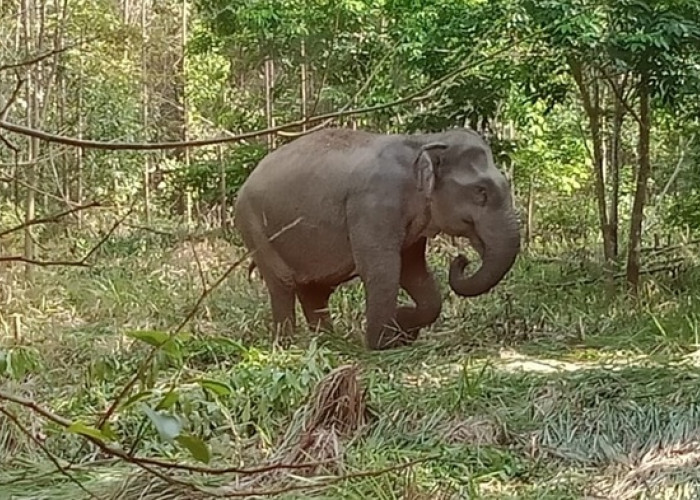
x,y
266,257
251,268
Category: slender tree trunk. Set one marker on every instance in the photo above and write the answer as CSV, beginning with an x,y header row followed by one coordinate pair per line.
x,y
591,105
32,115
304,79
643,171
269,88
615,160
529,229
185,108
223,200
79,152
144,112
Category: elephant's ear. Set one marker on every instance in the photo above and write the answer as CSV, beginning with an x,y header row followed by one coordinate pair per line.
x,y
424,166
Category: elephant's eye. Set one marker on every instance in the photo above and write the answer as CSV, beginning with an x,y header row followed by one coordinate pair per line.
x,y
479,195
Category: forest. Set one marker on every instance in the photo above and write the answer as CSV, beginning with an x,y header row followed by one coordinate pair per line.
x,y
136,353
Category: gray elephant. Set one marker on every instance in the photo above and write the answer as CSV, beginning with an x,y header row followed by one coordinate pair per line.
x,y
365,205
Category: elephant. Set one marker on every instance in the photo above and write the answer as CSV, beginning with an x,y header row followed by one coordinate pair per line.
x,y
340,203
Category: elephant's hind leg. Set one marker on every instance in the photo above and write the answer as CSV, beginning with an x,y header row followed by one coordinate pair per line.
x,y
282,297
314,302
420,284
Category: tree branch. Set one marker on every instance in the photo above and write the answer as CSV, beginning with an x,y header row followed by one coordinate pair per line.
x,y
49,219
619,95
43,263
68,263
12,99
119,453
46,55
416,96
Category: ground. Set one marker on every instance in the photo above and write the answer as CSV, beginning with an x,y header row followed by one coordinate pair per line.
x,y
547,387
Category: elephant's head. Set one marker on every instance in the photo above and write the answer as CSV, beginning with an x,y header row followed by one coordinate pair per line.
x,y
470,197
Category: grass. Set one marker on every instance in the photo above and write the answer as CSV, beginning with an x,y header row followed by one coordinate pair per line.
x,y
534,391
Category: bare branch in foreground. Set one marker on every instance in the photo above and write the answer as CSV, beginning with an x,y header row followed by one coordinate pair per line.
x,y
116,452
49,219
109,233
13,418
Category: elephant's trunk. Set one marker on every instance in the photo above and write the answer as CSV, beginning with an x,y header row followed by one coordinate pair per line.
x,y
501,244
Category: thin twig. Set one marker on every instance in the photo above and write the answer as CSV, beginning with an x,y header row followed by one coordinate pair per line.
x,y
9,144
200,270
42,263
12,99
13,418
46,55
620,95
49,219
670,266
109,233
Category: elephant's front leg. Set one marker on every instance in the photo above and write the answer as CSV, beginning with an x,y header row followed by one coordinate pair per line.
x,y
420,284
376,234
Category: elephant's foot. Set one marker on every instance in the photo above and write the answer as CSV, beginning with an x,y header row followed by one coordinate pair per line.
x,y
283,333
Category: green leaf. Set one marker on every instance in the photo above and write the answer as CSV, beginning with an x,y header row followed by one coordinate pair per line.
x,y
86,430
218,388
168,400
168,426
157,338
153,337
197,448
108,432
139,396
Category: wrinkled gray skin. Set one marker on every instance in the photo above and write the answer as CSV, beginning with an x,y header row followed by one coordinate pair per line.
x,y
365,205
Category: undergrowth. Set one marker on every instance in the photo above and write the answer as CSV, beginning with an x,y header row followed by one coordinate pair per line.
x,y
548,387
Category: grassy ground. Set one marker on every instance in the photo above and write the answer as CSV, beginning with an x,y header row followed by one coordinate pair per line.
x,y
533,391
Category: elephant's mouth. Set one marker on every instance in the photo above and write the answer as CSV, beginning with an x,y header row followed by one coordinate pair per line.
x,y
473,237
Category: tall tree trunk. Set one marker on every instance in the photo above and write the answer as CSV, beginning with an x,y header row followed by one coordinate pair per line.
x,y
590,98
529,228
185,106
31,79
615,160
304,84
223,199
144,112
269,87
643,171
